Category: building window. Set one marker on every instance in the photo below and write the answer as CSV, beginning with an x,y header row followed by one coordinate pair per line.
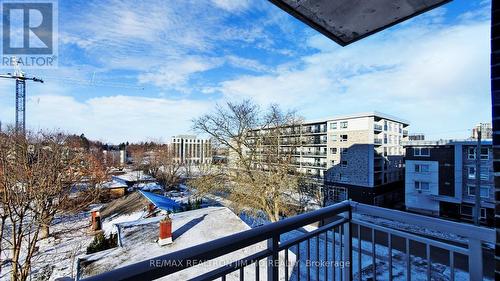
x,y
332,162
333,125
343,125
343,138
471,153
421,151
333,137
385,138
422,186
421,168
471,191
333,150
466,210
385,125
485,173
471,172
485,153
344,164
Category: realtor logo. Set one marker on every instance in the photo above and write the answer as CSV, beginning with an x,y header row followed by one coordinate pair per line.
x,y
28,33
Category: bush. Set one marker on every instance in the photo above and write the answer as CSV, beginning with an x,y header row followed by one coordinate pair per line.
x,y
101,243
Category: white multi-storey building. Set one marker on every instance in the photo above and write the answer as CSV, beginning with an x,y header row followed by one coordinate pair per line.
x,y
191,150
486,131
358,156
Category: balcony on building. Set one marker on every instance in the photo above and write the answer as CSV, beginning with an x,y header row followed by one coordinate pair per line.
x,y
314,153
377,128
377,141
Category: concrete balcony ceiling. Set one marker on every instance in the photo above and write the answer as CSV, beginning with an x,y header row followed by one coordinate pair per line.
x,y
346,21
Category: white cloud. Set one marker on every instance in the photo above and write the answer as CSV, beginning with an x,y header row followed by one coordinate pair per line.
x,y
232,5
249,64
177,73
433,75
155,37
114,119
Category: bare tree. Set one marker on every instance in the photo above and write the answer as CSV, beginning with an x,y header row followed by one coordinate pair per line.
x,y
164,167
41,176
261,175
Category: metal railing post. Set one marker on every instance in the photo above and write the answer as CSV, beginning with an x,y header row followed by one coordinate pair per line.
x,y
273,260
475,259
119,235
348,247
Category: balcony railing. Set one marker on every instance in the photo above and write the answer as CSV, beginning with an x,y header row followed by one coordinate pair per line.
x,y
378,128
369,250
314,165
377,141
312,142
314,153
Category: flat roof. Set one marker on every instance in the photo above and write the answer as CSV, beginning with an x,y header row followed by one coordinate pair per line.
x,y
188,229
447,142
360,115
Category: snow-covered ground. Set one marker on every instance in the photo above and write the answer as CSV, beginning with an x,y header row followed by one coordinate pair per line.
x,y
57,255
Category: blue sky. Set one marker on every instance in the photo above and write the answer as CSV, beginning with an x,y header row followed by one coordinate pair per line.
x,y
170,61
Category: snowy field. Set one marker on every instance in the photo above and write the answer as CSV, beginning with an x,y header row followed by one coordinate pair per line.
x,y
57,255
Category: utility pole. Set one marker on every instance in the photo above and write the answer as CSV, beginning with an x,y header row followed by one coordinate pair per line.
x,y
477,193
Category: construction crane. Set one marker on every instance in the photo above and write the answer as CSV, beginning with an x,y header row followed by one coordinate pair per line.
x,y
20,94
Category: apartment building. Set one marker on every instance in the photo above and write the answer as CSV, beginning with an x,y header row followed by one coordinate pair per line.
x,y
191,150
357,156
486,131
416,137
441,178
365,157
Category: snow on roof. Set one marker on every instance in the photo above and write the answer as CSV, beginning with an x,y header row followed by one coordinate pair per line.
x,y
161,202
113,184
108,224
150,186
189,229
132,176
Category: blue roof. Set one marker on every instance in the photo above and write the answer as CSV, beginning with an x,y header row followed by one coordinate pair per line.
x,y
161,202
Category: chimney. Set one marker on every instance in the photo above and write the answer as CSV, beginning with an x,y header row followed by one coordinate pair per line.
x,y
96,220
165,231
151,209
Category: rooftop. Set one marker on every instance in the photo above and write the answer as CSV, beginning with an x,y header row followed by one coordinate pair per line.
x,y
446,142
132,176
361,115
188,229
